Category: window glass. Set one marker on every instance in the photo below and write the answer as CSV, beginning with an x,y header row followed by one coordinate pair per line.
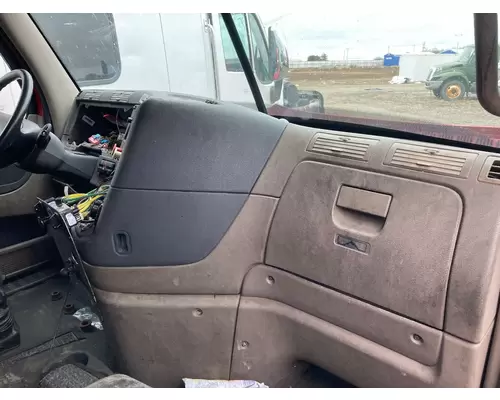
x,y
232,61
392,70
260,52
86,44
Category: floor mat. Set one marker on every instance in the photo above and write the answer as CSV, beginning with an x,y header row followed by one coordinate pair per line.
x,y
37,312
315,377
67,376
59,341
305,375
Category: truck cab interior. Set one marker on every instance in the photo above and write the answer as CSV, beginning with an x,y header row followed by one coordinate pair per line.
x,y
218,242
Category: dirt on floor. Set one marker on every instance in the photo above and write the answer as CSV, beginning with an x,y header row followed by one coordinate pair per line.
x,y
367,91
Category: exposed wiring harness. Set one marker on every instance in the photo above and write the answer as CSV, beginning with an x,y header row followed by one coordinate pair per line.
x,y
82,203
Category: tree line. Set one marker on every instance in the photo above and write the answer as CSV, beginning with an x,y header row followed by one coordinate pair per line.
x,y
322,57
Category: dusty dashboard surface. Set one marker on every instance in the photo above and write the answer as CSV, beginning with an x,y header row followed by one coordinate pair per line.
x,y
371,257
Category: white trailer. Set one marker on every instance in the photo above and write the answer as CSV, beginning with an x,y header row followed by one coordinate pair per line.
x,y
416,66
181,53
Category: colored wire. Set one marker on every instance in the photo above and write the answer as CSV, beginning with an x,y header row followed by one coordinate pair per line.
x,y
82,202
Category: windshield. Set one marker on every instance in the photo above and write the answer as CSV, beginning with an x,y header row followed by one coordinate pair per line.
x,y
465,54
360,68
86,44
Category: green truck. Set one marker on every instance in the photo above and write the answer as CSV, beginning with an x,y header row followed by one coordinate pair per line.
x,y
453,80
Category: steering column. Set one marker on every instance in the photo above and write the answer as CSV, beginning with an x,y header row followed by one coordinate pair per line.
x,y
33,148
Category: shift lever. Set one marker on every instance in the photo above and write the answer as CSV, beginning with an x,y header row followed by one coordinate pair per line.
x,y
9,330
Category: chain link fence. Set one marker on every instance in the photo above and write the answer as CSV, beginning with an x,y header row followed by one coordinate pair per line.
x,y
337,64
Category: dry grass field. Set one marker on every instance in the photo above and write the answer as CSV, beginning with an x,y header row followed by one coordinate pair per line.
x,y
368,91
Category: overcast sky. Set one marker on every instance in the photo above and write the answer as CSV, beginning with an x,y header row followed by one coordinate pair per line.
x,y
368,35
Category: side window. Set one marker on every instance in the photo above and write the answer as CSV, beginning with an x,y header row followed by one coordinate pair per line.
x,y
10,94
231,58
260,53
87,45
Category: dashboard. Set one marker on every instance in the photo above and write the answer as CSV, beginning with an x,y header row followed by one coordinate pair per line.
x,y
100,120
378,253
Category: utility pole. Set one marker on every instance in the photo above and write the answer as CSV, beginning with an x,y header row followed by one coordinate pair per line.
x,y
458,35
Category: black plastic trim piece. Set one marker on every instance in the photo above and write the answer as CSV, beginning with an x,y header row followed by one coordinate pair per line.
x,y
14,185
486,43
158,228
189,144
187,168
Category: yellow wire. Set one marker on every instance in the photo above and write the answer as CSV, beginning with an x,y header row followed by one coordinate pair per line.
x,y
84,207
74,196
87,200
77,195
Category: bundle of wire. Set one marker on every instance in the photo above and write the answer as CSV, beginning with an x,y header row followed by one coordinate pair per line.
x,y
82,202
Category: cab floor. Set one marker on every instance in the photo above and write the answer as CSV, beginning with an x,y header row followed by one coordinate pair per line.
x,y
38,317
315,377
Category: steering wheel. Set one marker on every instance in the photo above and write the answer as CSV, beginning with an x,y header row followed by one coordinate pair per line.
x,y
12,146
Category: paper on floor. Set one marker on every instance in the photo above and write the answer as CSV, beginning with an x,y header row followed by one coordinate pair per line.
x,y
205,383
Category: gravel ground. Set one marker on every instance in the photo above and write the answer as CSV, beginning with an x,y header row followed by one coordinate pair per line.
x,y
367,91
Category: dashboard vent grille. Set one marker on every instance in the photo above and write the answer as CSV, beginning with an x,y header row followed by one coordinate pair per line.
x,y
430,159
341,146
494,172
91,95
121,97
490,172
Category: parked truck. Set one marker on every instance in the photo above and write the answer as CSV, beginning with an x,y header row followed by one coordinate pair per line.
x,y
453,80
181,53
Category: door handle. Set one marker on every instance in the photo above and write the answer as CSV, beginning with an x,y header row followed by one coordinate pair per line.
x,y
364,201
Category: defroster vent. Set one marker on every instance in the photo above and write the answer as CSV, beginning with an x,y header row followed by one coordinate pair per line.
x,y
494,172
341,146
490,172
94,95
121,97
431,159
